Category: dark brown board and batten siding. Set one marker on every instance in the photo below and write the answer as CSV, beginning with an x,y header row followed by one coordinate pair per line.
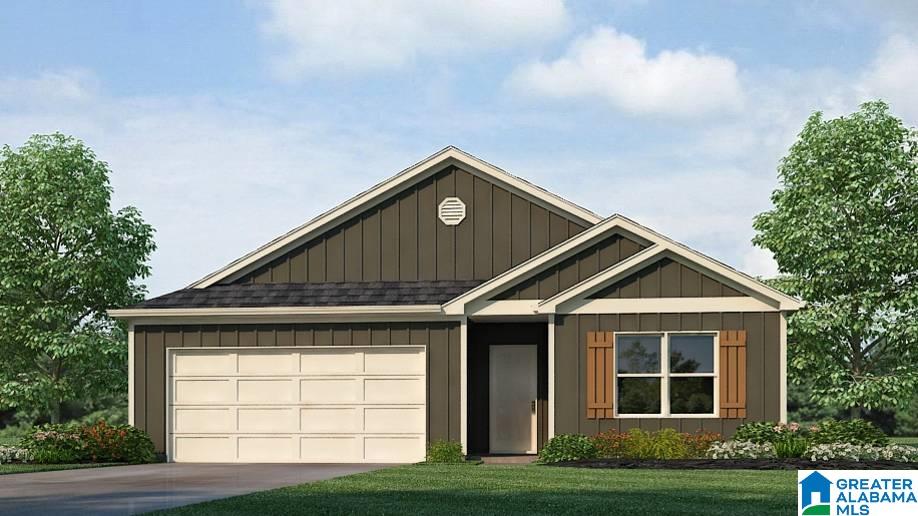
x,y
667,278
402,239
762,377
441,339
575,269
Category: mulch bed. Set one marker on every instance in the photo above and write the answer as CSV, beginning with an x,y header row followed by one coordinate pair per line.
x,y
761,464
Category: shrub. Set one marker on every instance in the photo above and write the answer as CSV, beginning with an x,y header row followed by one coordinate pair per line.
x,y
122,443
663,444
790,447
54,444
566,447
610,444
100,442
699,443
10,454
853,431
444,452
741,450
769,432
859,452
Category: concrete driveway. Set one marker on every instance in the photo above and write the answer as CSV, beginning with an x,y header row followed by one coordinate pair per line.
x,y
136,489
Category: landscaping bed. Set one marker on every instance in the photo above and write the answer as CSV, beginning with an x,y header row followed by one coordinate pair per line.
x,y
754,464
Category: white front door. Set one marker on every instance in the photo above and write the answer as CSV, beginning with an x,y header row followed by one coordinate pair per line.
x,y
512,381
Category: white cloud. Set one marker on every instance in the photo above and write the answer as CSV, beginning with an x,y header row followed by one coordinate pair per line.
x,y
759,262
216,178
893,76
71,85
615,67
331,37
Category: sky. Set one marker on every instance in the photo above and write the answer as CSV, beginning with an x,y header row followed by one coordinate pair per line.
x,y
227,123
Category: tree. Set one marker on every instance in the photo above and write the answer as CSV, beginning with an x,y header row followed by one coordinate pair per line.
x,y
844,232
65,259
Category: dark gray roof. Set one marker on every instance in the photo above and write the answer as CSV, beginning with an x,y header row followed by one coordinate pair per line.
x,y
314,294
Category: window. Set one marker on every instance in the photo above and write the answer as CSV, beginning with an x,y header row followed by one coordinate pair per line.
x,y
665,374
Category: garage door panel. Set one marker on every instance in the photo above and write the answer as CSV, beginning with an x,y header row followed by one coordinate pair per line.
x,y
391,449
205,449
356,404
202,364
266,420
394,361
331,390
267,391
201,391
277,363
266,449
203,420
331,361
330,420
379,420
331,449
394,390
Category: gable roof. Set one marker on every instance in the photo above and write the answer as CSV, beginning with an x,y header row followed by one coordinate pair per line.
x,y
411,175
659,246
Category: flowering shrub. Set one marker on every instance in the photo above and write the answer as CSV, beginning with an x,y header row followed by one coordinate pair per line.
x,y
10,454
122,443
859,452
54,444
100,442
769,432
699,442
741,450
610,444
853,431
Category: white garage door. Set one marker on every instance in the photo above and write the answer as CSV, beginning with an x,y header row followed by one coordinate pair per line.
x,y
354,404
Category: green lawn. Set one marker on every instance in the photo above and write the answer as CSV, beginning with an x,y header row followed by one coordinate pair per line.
x,y
9,441
912,441
528,489
9,469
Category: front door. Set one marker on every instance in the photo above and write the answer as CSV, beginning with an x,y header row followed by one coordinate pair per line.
x,y
512,379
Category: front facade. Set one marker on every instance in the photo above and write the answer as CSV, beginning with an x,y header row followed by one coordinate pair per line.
x,y
452,301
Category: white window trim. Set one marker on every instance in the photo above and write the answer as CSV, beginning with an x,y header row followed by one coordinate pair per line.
x,y
665,376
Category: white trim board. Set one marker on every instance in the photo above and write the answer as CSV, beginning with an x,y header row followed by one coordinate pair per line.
x,y
131,387
658,247
544,260
280,314
430,165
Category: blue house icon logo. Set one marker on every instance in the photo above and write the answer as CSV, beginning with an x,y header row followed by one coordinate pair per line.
x,y
814,494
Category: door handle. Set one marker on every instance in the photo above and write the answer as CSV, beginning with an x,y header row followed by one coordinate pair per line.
x,y
532,406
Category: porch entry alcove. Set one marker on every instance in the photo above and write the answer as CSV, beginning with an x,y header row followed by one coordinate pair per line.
x,y
507,387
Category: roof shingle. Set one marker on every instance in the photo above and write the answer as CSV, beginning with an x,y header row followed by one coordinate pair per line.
x,y
314,294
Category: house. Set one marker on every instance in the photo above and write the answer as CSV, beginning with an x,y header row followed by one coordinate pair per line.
x,y
452,301
818,485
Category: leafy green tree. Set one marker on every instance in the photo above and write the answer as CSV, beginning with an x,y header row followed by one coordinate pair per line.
x,y
65,259
844,232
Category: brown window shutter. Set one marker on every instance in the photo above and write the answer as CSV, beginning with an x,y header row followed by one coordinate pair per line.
x,y
599,374
733,374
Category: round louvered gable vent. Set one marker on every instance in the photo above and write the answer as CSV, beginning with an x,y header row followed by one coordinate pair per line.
x,y
452,211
